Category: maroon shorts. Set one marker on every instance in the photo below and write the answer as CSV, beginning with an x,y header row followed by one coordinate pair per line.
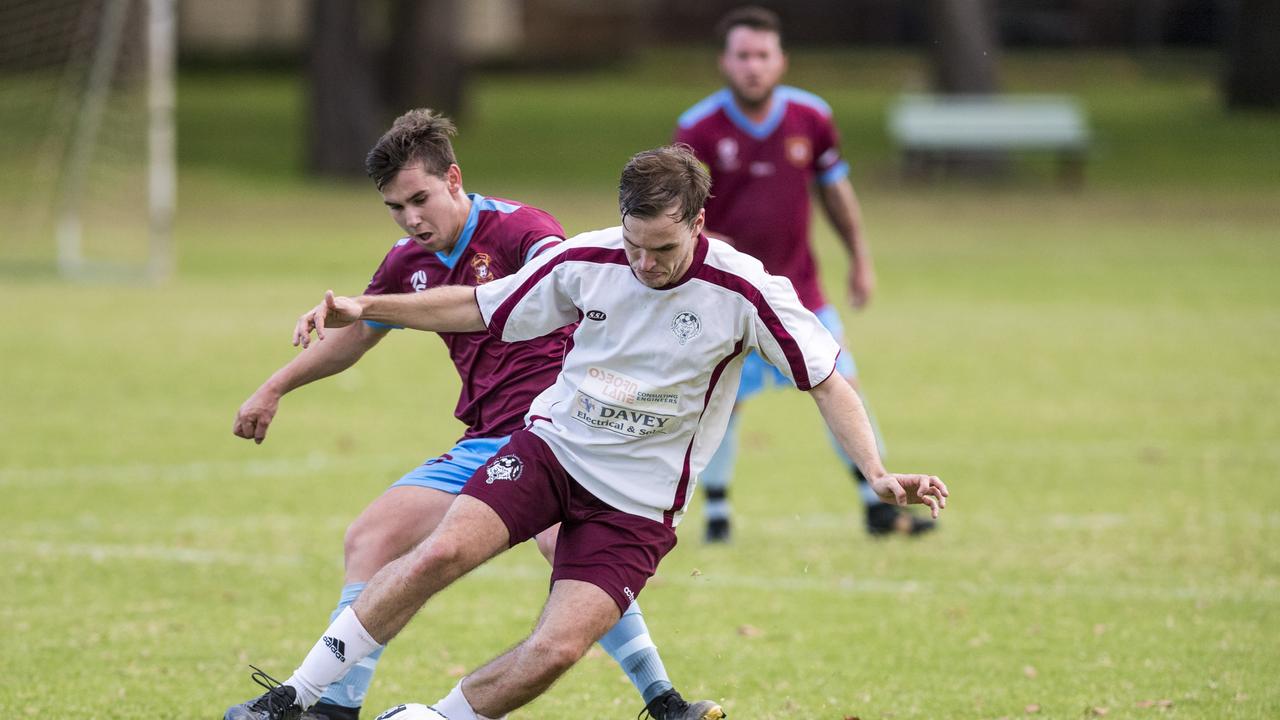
x,y
613,550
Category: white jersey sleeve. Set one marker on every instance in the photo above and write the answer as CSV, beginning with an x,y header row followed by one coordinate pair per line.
x,y
790,337
531,303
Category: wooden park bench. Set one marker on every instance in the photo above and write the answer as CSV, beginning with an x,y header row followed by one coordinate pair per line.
x,y
938,129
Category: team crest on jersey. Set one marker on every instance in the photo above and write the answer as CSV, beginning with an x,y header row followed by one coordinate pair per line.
x,y
686,326
507,467
480,263
418,280
727,153
799,151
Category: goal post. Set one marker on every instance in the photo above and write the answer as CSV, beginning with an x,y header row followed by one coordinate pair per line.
x,y
87,97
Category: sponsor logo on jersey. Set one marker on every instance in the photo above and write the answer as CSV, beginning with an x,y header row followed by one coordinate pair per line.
x,y
799,151
687,326
613,386
596,315
727,154
506,467
596,413
760,168
480,263
337,647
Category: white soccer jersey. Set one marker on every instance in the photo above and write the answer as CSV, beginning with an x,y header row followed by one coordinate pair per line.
x,y
647,388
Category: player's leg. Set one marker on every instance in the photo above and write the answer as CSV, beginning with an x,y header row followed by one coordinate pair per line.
x,y
469,534
576,615
389,527
881,518
628,642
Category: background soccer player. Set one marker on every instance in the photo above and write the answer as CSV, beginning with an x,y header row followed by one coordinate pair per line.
x,y
453,238
765,145
612,450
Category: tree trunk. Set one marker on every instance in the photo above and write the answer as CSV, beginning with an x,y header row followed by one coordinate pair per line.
x,y
424,64
964,48
964,56
1252,79
344,115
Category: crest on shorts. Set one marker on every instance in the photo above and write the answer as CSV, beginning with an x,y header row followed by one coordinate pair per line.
x,y
480,263
506,467
687,326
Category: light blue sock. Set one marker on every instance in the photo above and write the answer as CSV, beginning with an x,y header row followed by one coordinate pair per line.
x,y
629,644
351,689
715,478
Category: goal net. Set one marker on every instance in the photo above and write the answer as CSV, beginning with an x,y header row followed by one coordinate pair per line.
x,y
86,137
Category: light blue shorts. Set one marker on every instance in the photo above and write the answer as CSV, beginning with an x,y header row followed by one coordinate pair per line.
x,y
758,375
450,471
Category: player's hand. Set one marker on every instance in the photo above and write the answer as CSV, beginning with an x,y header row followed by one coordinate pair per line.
x,y
332,312
862,284
902,489
255,416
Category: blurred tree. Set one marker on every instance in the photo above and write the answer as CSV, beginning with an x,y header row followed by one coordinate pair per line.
x,y
1252,77
424,66
963,47
357,86
964,55
344,114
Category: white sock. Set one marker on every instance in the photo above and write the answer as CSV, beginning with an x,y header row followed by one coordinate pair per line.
x,y
455,706
344,644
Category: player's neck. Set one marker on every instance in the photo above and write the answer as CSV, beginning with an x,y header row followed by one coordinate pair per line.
x,y
464,211
755,112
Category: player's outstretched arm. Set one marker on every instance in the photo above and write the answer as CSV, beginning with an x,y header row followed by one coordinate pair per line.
x,y
843,411
450,308
343,348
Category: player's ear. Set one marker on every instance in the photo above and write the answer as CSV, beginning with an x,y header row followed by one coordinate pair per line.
x,y
454,176
700,222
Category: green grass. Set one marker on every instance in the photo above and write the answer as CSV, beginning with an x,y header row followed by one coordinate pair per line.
x,y
1092,372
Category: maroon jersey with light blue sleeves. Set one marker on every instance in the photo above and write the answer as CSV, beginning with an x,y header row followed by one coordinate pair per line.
x,y
499,379
761,174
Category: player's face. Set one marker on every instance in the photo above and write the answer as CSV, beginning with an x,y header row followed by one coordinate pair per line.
x,y
431,209
752,63
660,249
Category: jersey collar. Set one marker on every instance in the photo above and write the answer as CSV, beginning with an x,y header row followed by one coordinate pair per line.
x,y
464,237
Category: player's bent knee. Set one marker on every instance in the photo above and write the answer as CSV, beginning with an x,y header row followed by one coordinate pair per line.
x,y
439,556
555,654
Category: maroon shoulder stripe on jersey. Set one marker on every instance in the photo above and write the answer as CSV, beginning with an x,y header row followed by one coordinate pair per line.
x,y
790,348
604,256
682,488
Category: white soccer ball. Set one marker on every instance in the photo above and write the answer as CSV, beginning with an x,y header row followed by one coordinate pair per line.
x,y
412,711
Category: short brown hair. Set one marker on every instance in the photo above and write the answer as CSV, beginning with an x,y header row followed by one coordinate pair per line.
x,y
752,16
419,135
667,180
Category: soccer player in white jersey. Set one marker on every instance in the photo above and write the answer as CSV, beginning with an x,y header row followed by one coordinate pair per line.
x,y
612,449
767,145
459,239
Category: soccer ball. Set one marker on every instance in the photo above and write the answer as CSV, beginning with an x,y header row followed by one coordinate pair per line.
x,y
412,711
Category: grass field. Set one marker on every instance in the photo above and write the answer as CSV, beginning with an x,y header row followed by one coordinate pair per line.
x,y
1094,373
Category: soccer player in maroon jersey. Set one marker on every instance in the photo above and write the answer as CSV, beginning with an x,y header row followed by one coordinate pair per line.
x,y
765,145
452,238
